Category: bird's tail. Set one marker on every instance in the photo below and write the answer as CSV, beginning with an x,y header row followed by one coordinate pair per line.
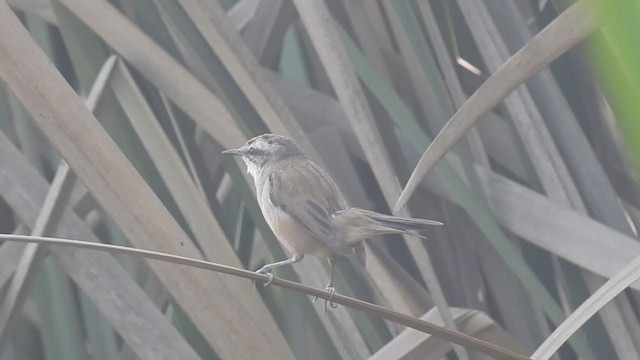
x,y
396,224
361,224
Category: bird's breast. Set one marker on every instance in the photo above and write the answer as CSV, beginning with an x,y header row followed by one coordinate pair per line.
x,y
286,228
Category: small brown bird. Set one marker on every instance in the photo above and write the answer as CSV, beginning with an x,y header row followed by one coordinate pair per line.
x,y
306,210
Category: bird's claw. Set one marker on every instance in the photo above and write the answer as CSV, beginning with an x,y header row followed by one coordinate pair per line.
x,y
269,274
327,303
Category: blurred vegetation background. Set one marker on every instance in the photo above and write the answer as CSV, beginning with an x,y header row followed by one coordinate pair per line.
x,y
539,199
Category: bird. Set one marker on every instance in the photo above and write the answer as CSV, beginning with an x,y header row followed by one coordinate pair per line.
x,y
306,210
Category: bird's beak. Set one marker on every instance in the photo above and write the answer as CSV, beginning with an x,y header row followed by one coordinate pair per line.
x,y
239,152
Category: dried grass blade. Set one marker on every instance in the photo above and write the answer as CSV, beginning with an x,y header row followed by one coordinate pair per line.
x,y
613,287
415,323
412,344
569,28
121,192
100,277
52,209
48,218
333,55
159,68
190,201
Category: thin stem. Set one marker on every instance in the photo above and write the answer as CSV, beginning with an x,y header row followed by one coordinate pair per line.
x,y
414,323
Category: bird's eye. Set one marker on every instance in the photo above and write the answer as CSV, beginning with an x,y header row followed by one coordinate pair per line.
x,y
252,151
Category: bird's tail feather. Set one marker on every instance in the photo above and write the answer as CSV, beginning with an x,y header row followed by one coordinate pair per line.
x,y
356,224
396,224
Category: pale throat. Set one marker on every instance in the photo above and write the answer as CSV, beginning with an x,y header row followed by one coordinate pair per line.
x,y
253,169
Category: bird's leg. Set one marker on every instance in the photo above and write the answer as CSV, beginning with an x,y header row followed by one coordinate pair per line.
x,y
267,268
332,262
329,287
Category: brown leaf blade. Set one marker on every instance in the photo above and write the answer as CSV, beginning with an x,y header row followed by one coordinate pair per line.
x,y
569,28
120,190
415,323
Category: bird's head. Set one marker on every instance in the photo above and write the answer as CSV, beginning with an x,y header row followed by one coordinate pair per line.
x,y
264,150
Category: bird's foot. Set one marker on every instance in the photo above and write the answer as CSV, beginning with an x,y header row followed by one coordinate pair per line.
x,y
327,303
266,271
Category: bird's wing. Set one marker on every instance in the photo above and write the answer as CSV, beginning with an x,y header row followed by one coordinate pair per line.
x,y
308,195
